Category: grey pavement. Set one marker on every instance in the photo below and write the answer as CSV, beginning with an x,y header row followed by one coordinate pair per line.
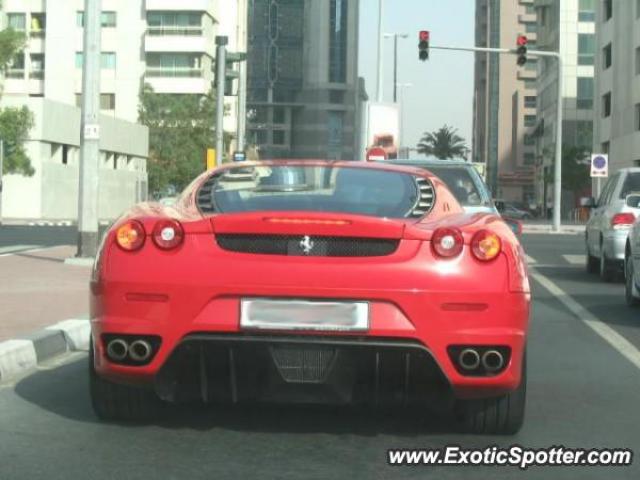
x,y
37,288
581,393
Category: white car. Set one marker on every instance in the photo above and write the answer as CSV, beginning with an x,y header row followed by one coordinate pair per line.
x,y
632,258
610,222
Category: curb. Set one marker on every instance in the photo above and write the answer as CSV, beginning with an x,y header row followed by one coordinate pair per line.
x,y
23,354
546,230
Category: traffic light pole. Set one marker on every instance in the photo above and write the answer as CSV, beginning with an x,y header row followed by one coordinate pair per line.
x,y
221,59
242,78
557,180
379,94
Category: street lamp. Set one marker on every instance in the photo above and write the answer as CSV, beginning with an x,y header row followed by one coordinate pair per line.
x,y
402,86
395,60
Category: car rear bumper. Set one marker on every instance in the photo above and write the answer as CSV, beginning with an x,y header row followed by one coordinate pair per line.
x,y
615,242
421,325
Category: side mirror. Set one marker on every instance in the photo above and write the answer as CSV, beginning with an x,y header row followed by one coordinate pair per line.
x,y
588,202
633,200
514,225
500,206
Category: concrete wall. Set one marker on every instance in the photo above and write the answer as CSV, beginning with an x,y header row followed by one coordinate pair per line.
x,y
53,146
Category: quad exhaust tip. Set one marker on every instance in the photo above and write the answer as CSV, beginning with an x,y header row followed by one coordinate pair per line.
x,y
469,359
140,350
117,349
492,360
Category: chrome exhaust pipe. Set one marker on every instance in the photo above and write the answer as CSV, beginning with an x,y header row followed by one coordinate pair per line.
x,y
117,349
140,351
469,359
492,360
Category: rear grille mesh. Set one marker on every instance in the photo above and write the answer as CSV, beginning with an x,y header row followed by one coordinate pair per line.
x,y
300,245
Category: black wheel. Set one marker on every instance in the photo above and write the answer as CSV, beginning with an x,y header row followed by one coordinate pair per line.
x,y
629,287
495,416
115,402
606,270
592,263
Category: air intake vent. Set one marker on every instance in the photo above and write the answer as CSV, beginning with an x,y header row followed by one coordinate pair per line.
x,y
204,199
309,246
426,200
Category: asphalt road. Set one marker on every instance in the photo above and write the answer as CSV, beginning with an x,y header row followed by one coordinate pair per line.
x,y
582,392
17,237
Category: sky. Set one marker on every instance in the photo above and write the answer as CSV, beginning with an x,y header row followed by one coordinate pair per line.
x,y
442,91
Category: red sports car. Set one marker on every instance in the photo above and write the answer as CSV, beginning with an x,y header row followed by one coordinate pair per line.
x,y
311,281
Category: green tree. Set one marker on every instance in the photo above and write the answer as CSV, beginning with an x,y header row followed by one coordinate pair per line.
x,y
15,123
181,128
444,144
575,167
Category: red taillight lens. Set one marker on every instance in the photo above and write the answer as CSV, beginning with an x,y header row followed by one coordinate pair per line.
x,y
168,234
623,220
485,245
130,236
447,242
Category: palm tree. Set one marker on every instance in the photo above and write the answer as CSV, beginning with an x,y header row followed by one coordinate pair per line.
x,y
443,144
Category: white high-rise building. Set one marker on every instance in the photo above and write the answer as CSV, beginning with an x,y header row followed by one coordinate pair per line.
x,y
169,45
617,98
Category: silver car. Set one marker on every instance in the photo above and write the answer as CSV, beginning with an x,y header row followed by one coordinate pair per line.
x,y
610,222
467,186
632,257
461,177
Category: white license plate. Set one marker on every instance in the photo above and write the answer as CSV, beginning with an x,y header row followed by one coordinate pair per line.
x,y
271,314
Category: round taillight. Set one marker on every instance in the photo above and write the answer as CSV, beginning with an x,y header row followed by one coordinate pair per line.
x,y
485,245
130,236
447,242
168,234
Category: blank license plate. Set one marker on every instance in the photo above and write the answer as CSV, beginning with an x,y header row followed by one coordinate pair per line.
x,y
270,314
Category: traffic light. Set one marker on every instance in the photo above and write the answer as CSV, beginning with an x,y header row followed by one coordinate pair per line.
x,y
423,46
231,74
522,50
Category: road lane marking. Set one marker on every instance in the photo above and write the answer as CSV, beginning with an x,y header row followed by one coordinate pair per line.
x,y
530,260
554,265
29,250
13,249
575,259
613,338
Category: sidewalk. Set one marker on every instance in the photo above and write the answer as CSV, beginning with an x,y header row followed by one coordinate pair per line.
x,y
546,228
37,289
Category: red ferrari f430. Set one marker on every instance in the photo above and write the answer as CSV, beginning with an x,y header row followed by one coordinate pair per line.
x,y
311,282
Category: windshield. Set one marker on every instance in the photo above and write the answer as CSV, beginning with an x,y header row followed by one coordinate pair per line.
x,y
631,185
315,189
461,184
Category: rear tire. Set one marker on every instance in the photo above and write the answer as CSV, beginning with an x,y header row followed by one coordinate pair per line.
x,y
115,402
629,281
592,263
495,416
606,270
